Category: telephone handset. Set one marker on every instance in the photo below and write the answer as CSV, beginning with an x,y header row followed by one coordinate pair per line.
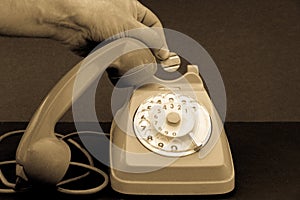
x,y
173,141
43,157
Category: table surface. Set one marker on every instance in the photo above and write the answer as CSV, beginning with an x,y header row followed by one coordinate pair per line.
x,y
266,161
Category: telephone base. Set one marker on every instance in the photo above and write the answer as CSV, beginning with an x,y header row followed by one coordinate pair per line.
x,y
135,169
213,174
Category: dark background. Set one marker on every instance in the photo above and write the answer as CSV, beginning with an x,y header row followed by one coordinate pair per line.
x,y
255,45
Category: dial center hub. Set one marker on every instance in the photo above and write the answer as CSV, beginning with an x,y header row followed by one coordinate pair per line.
x,y
173,118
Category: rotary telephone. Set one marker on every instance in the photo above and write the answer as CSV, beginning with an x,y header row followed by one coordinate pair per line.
x,y
166,139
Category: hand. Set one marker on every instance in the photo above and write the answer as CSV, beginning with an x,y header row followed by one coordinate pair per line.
x,y
97,20
81,24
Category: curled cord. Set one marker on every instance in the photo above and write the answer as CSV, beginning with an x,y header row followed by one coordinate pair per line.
x,y
90,167
87,191
87,155
83,132
4,180
84,151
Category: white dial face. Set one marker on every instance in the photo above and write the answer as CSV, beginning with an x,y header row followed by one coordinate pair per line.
x,y
172,124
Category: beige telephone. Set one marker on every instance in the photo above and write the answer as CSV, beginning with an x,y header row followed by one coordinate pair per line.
x,y
174,142
168,139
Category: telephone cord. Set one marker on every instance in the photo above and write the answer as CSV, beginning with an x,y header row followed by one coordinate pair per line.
x,y
90,167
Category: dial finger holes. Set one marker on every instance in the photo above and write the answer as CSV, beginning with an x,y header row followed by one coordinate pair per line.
x,y
172,124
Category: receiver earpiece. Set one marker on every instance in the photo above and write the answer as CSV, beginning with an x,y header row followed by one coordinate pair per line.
x,y
47,161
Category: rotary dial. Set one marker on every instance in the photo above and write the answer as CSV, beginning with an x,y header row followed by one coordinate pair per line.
x,y
172,124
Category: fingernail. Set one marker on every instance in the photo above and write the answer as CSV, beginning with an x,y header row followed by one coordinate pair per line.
x,y
163,54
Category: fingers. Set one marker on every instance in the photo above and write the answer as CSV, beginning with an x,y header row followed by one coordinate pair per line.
x,y
149,19
152,37
115,23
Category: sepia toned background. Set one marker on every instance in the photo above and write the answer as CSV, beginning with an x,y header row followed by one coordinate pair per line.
x,y
255,45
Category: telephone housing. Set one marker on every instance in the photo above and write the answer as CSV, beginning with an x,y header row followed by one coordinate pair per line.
x,y
190,174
